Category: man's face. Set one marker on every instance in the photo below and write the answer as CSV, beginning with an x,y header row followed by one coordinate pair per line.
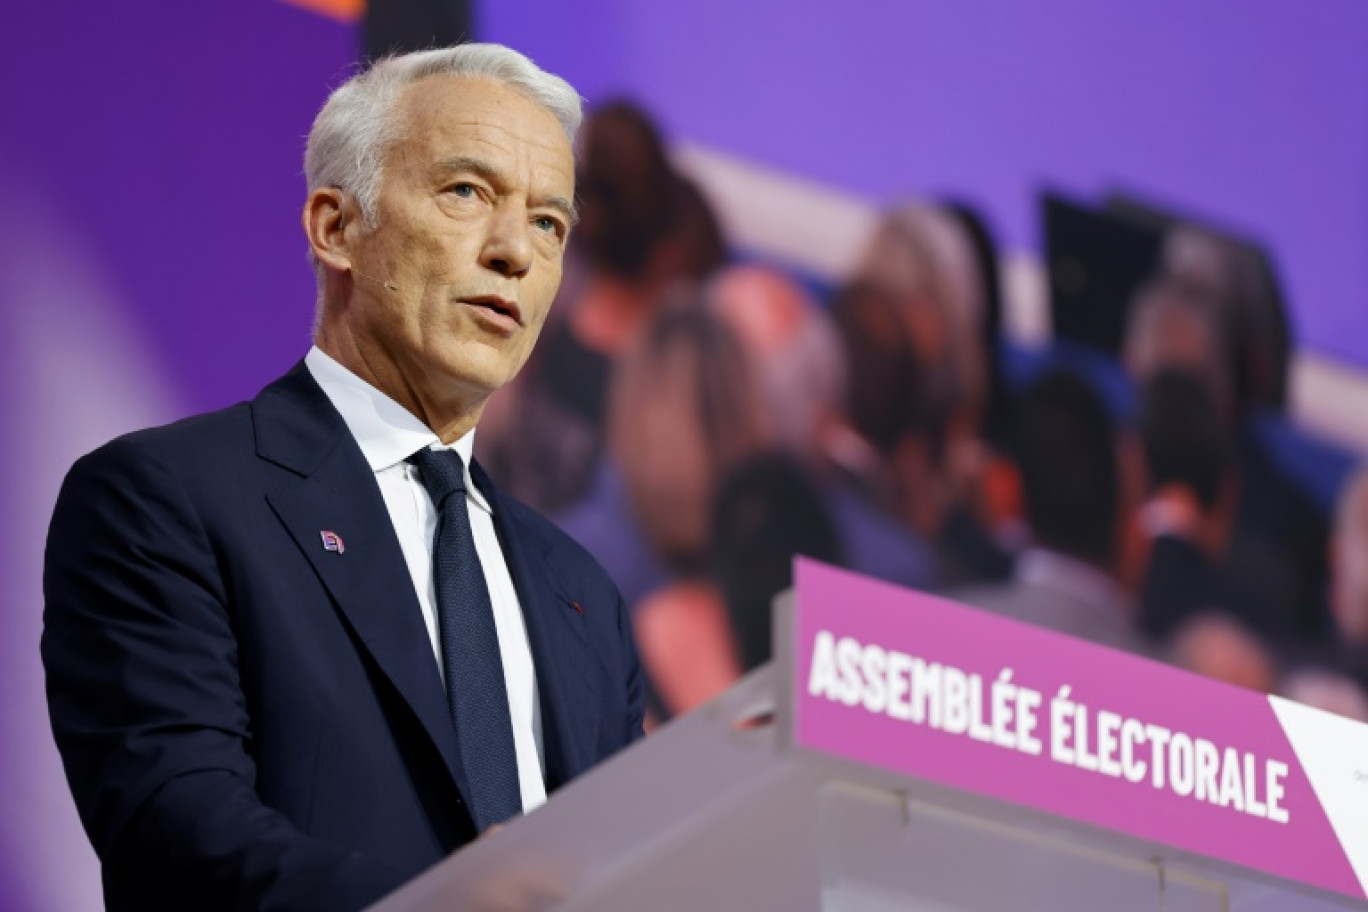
x,y
464,257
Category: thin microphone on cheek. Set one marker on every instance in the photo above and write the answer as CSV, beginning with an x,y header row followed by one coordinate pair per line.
x,y
389,285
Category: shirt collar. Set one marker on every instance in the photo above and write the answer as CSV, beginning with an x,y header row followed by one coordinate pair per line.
x,y
387,432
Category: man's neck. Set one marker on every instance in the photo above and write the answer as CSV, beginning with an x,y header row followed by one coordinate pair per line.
x,y
449,421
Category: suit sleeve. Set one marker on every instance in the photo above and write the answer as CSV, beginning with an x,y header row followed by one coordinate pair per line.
x,y
148,711
633,680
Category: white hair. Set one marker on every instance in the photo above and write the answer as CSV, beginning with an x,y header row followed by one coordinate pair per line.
x,y
351,134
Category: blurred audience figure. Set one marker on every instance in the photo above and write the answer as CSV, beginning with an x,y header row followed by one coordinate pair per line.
x,y
687,645
643,228
698,635
801,369
923,257
1081,481
768,510
1349,567
1273,568
995,419
794,346
696,246
1239,280
1191,500
1334,677
684,409
1326,690
991,491
1175,328
913,312
1346,659
1217,646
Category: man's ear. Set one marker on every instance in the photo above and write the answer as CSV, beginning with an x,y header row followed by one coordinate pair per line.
x,y
330,215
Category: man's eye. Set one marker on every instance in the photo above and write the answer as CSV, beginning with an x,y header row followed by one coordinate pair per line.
x,y
462,190
547,224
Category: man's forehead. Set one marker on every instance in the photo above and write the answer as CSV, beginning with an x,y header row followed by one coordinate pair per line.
x,y
454,108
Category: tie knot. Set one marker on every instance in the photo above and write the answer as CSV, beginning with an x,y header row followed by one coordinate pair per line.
x,y
442,473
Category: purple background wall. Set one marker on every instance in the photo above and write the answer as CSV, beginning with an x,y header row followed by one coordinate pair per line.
x,y
151,263
170,135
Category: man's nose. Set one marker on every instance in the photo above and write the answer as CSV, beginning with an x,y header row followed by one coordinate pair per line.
x,y
508,245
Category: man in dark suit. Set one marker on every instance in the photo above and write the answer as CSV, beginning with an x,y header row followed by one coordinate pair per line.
x,y
301,649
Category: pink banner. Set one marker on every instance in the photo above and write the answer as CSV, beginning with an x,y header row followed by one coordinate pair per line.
x,y
928,688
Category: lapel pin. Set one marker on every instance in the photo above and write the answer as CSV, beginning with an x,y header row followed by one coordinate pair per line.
x,y
576,606
332,542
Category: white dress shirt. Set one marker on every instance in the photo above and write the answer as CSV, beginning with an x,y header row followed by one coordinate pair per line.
x,y
388,434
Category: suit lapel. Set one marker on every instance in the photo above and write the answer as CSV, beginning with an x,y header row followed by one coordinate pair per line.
x,y
567,667
336,492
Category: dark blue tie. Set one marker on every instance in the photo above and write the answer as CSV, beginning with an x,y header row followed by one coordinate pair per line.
x,y
470,647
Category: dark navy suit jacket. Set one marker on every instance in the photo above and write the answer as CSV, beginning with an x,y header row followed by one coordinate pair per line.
x,y
249,720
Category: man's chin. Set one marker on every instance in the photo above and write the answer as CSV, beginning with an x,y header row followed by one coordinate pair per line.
x,y
484,372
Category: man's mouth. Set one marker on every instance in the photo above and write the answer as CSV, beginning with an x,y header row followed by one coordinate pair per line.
x,y
501,306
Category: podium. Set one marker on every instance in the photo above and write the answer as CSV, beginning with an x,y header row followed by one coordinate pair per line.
x,y
902,752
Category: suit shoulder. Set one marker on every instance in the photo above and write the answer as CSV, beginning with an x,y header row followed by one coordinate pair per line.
x,y
546,530
567,552
199,440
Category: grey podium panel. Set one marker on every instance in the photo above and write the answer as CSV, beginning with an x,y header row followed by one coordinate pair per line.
x,y
881,852
716,811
